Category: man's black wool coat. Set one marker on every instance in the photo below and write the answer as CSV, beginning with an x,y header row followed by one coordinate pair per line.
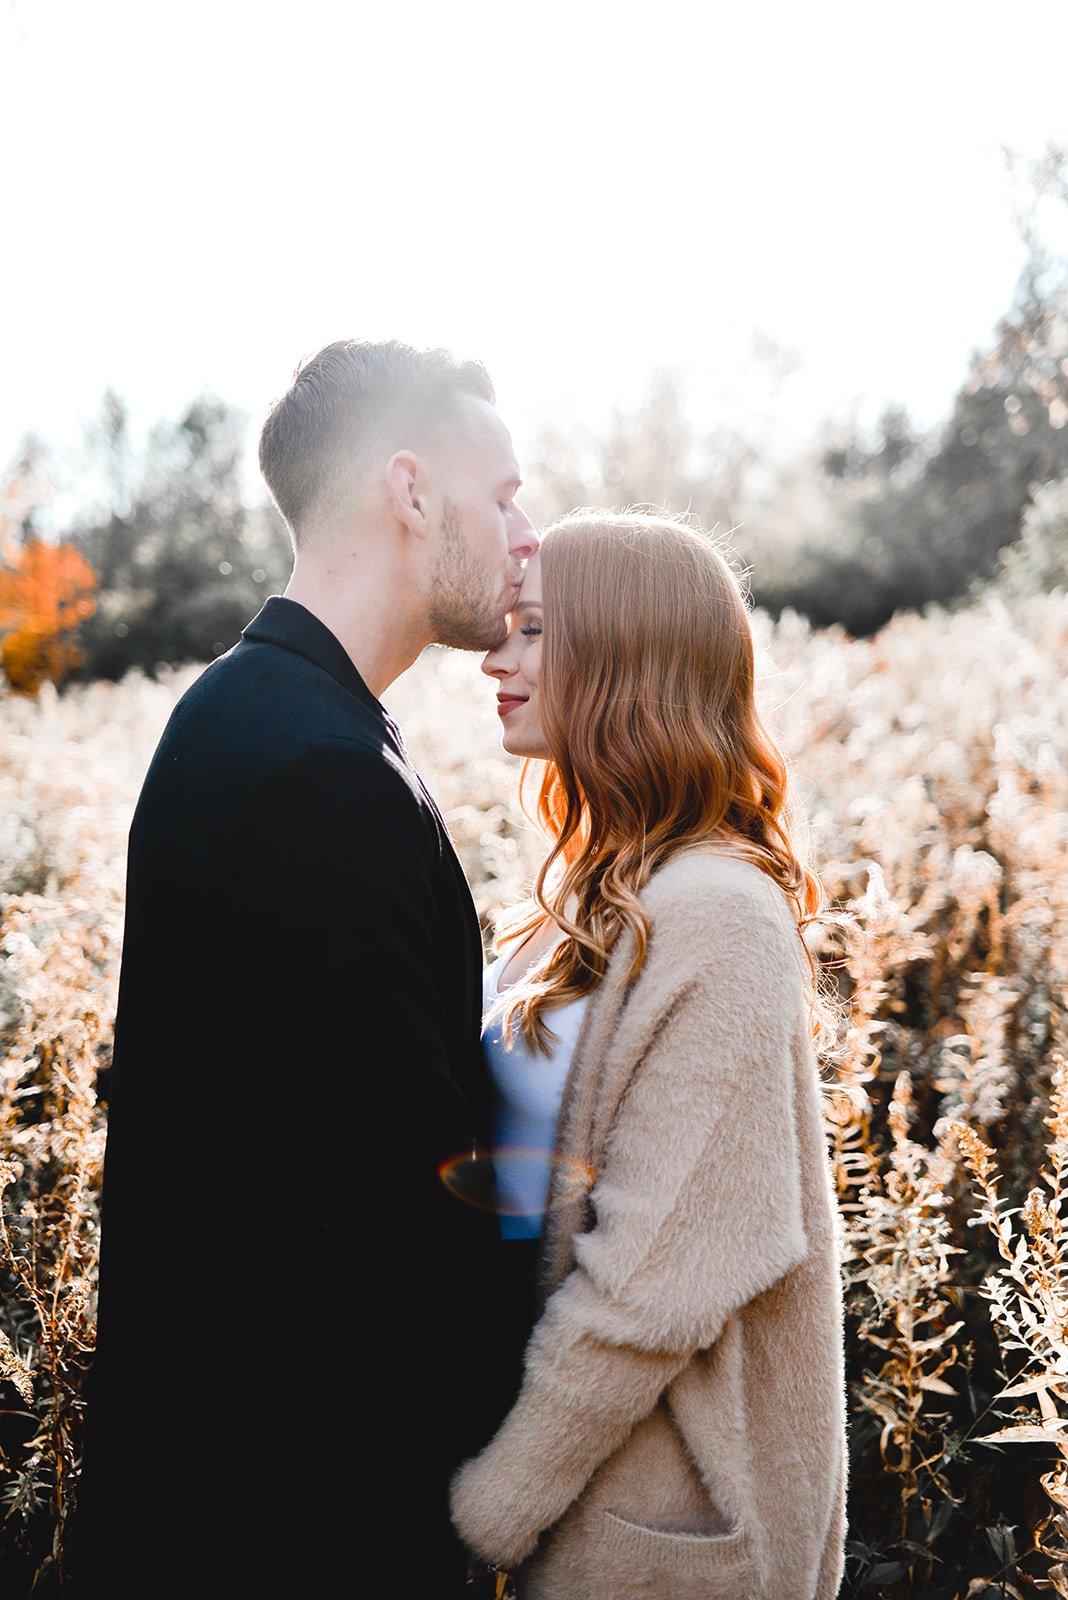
x,y
301,1329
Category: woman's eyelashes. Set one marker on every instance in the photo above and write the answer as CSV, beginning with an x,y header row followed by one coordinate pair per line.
x,y
531,630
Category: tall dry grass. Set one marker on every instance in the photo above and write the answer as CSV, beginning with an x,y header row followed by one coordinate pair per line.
x,y
930,767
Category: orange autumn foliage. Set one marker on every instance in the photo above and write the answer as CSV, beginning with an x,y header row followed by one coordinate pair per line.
x,y
45,592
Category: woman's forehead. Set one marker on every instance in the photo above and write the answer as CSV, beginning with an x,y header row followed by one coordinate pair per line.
x,y
530,593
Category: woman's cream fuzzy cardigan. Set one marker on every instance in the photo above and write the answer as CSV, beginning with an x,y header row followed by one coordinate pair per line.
x,y
680,1432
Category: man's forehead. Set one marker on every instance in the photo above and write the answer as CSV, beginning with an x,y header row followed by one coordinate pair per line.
x,y
486,434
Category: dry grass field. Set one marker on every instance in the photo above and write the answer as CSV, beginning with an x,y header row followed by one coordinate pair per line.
x,y
931,770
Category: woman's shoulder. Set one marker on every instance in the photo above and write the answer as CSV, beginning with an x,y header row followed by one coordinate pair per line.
x,y
707,873
705,897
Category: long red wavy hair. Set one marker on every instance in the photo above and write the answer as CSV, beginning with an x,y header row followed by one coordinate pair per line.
x,y
647,694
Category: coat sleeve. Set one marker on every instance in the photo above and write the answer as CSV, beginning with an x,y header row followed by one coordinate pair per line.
x,y
698,1210
335,1012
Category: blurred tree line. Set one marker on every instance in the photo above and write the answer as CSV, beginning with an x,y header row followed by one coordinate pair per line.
x,y
862,524
869,522
181,559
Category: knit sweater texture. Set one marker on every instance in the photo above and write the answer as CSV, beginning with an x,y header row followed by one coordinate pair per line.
x,y
680,1431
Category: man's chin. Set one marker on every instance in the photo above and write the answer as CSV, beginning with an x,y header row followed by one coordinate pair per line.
x,y
471,633
499,638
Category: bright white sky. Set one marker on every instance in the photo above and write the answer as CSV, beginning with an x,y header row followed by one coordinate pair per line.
x,y
577,191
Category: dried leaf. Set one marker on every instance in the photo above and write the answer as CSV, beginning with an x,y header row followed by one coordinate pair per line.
x,y
14,1369
1033,1385
1020,1432
1002,1543
939,1340
1047,1405
1056,1487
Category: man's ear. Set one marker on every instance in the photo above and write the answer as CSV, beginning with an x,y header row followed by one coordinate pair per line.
x,y
406,482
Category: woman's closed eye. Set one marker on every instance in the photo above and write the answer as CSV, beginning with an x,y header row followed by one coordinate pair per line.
x,y
531,630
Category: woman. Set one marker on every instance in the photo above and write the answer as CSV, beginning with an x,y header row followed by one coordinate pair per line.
x,y
680,1427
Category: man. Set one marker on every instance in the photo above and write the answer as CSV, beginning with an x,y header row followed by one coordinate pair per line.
x,y
301,1329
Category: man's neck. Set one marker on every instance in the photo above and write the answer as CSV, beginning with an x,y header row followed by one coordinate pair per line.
x,y
366,619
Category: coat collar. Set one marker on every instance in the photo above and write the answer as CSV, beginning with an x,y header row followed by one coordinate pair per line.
x,y
291,625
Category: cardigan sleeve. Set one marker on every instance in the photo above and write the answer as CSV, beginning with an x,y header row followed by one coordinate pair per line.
x,y
698,1210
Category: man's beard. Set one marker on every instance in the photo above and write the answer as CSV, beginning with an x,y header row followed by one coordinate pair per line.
x,y
463,614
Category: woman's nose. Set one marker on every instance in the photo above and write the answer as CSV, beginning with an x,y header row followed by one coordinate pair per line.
x,y
494,665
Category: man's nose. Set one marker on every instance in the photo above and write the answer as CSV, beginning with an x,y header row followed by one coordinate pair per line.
x,y
523,540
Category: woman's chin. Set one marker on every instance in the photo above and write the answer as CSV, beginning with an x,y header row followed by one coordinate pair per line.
x,y
528,749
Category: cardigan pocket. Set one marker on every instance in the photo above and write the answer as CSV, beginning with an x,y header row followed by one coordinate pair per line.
x,y
656,1564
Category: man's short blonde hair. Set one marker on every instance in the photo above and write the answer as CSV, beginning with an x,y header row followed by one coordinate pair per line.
x,y
352,403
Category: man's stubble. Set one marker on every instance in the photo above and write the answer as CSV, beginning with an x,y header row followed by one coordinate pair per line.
x,y
466,611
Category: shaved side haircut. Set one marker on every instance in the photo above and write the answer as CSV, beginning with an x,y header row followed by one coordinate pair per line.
x,y
349,406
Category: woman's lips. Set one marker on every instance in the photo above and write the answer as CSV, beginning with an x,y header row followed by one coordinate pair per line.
x,y
508,702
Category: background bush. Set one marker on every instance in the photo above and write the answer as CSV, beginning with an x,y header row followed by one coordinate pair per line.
x,y
930,771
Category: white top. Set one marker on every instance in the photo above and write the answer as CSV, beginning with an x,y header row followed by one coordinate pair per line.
x,y
528,1088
